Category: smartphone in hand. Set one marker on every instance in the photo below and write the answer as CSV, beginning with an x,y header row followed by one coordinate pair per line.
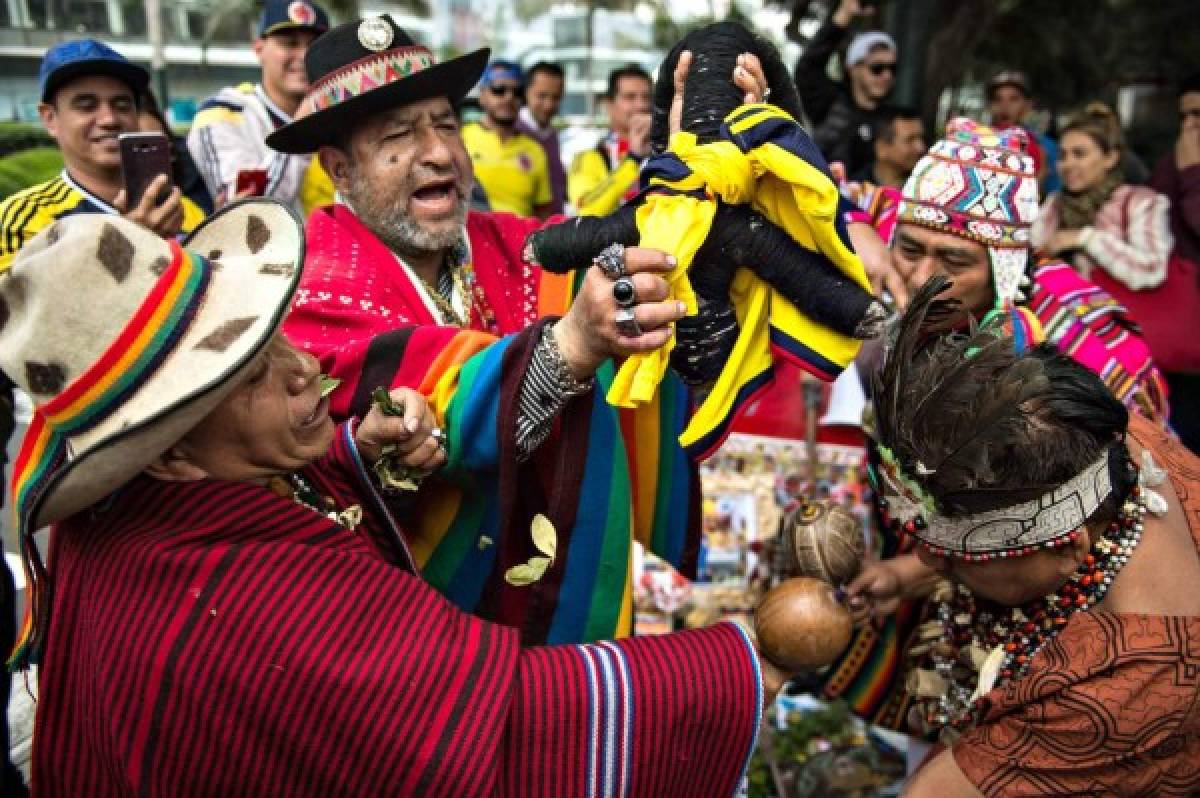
x,y
250,183
144,156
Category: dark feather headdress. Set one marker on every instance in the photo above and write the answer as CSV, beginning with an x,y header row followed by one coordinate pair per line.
x,y
955,416
947,403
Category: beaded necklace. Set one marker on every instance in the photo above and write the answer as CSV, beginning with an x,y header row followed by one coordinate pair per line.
x,y
302,492
985,644
445,305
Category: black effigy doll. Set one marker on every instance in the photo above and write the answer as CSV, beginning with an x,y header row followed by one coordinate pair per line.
x,y
744,201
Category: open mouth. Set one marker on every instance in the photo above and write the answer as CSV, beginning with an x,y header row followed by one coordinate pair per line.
x,y
437,196
318,414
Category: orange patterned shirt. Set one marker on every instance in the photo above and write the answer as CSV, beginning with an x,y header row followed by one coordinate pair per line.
x,y
1111,707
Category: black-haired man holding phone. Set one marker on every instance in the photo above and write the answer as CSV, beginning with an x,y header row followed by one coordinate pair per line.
x,y
89,98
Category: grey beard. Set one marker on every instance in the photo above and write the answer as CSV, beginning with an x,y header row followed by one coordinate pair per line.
x,y
395,228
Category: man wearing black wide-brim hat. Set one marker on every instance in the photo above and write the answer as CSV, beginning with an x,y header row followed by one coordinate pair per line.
x,y
399,249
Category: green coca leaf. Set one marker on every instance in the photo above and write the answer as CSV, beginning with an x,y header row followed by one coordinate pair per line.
x,y
386,404
329,384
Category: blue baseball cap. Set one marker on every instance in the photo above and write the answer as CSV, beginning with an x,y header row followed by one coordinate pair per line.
x,y
281,15
498,70
69,60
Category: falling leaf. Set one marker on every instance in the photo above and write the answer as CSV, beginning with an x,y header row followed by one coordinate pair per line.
x,y
351,517
527,573
329,384
545,537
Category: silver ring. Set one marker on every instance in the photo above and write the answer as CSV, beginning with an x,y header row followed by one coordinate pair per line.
x,y
627,323
766,94
624,294
611,261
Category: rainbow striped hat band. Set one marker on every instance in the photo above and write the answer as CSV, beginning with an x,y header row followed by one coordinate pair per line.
x,y
146,343
979,183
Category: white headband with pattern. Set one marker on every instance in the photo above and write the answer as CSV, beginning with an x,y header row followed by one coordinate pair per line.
x,y
1018,529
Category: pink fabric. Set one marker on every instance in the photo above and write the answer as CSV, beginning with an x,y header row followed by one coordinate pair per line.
x,y
350,276
354,289
1087,323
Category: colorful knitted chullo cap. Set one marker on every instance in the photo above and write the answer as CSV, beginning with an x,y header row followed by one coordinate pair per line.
x,y
980,184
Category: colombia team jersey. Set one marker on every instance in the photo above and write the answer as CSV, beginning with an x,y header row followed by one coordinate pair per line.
x,y
26,213
514,173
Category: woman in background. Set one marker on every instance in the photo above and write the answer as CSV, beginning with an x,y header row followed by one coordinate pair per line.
x,y
1109,230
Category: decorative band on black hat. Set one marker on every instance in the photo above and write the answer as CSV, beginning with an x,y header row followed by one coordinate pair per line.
x,y
371,72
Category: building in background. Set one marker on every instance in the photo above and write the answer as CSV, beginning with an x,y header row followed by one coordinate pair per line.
x,y
195,67
200,60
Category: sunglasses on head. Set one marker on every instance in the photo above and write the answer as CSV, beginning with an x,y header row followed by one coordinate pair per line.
x,y
879,67
502,91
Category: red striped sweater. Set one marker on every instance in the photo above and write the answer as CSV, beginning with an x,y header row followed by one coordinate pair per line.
x,y
214,639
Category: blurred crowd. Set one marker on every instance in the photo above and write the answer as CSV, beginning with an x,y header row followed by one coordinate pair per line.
x,y
412,224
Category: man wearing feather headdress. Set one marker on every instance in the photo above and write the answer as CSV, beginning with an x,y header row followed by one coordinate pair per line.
x,y
965,213
1065,531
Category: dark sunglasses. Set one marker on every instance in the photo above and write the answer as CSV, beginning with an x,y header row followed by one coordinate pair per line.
x,y
880,67
502,91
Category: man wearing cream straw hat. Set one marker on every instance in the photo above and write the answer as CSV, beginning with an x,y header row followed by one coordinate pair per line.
x,y
230,607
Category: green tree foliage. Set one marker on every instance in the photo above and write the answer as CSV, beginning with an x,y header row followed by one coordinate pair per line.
x,y
28,167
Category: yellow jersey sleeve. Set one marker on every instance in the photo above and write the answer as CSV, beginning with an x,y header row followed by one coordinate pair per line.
x,y
541,174
316,191
26,213
593,189
193,215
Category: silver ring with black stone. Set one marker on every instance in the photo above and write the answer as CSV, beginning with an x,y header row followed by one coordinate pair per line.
x,y
624,294
611,261
627,324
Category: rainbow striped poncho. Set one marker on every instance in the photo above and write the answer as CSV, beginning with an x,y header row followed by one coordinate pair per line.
x,y
605,478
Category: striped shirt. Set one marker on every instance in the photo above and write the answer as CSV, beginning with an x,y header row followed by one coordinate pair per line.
x,y
1130,238
26,213
229,135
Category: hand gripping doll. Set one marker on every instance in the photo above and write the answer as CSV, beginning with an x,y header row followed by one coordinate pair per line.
x,y
744,201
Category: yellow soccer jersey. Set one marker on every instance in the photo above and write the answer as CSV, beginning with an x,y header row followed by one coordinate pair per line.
x,y
28,212
514,173
317,189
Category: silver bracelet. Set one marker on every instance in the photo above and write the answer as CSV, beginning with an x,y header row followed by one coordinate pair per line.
x,y
567,382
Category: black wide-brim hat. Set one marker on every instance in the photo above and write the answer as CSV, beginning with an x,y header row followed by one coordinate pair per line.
x,y
367,66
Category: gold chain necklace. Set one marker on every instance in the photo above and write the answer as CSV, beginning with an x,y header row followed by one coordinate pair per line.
x,y
459,289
